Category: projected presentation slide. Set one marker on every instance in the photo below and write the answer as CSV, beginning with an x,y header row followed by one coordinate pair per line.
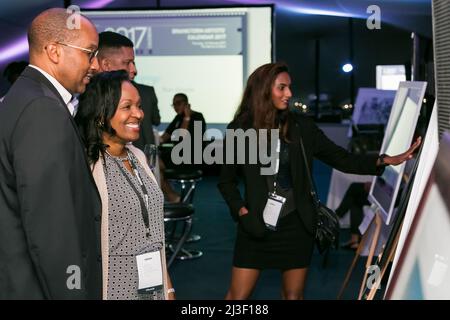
x,y
213,98
398,138
205,53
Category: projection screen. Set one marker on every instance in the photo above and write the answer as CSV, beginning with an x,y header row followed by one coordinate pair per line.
x,y
205,53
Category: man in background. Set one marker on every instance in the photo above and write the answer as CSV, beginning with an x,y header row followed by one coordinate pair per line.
x,y
13,71
116,53
185,119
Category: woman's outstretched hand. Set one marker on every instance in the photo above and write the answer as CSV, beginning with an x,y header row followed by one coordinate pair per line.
x,y
400,158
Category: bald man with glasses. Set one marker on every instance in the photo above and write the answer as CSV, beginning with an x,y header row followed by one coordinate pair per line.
x,y
49,205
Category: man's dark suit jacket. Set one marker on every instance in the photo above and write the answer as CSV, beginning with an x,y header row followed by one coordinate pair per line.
x,y
178,119
176,124
149,104
317,145
49,205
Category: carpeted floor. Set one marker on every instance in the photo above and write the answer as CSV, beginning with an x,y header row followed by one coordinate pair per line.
x,y
208,277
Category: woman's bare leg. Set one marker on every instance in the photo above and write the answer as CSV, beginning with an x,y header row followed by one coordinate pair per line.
x,y
243,282
294,283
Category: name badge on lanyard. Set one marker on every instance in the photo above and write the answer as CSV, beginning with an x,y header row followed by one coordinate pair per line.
x,y
150,275
275,203
272,210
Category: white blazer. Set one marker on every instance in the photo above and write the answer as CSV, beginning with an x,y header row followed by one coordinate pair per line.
x,y
100,181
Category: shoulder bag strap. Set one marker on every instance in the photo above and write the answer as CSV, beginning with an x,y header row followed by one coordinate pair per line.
x,y
308,172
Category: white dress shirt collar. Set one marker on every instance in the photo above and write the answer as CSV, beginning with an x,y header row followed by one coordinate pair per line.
x,y
66,95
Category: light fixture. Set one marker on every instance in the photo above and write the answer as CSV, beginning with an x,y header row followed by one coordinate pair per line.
x,y
347,67
14,49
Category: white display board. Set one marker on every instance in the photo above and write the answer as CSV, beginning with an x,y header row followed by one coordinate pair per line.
x,y
390,76
397,139
422,271
426,161
372,107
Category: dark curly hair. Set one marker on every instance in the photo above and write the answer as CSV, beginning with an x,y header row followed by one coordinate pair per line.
x,y
97,105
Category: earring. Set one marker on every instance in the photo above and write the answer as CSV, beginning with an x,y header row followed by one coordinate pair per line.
x,y
100,124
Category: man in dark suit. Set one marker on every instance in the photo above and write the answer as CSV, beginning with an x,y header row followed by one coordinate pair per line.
x,y
49,205
116,53
186,118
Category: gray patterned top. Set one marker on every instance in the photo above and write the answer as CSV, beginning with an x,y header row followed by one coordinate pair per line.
x,y
127,231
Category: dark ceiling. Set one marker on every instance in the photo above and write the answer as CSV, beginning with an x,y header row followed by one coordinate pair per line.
x,y
292,17
412,15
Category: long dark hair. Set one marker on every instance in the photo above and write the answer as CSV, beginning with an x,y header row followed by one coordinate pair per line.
x,y
97,105
256,109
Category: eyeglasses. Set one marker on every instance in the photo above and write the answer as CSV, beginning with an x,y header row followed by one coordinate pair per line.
x,y
92,53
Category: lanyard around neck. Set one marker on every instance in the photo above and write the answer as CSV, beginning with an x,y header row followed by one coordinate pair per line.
x,y
143,204
277,165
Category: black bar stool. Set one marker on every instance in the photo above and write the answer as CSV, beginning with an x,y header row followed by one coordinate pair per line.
x,y
175,212
187,179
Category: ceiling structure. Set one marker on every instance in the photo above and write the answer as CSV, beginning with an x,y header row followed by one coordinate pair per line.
x,y
411,15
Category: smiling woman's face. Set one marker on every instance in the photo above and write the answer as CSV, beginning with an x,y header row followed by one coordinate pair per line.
x,y
128,116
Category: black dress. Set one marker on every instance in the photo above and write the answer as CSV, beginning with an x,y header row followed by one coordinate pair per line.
x,y
291,245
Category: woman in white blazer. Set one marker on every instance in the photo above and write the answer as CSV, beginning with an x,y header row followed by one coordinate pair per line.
x,y
133,255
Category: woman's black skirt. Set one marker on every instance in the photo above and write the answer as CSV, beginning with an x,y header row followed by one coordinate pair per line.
x,y
289,247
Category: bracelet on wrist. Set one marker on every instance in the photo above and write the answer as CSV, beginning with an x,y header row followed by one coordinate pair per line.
x,y
171,290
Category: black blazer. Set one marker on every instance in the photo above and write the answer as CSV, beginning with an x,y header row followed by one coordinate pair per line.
x,y
317,145
149,104
49,205
178,119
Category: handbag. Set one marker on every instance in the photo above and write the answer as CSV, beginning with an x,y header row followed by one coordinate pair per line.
x,y
327,228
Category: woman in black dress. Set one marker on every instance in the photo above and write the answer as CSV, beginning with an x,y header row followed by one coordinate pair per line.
x,y
288,248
